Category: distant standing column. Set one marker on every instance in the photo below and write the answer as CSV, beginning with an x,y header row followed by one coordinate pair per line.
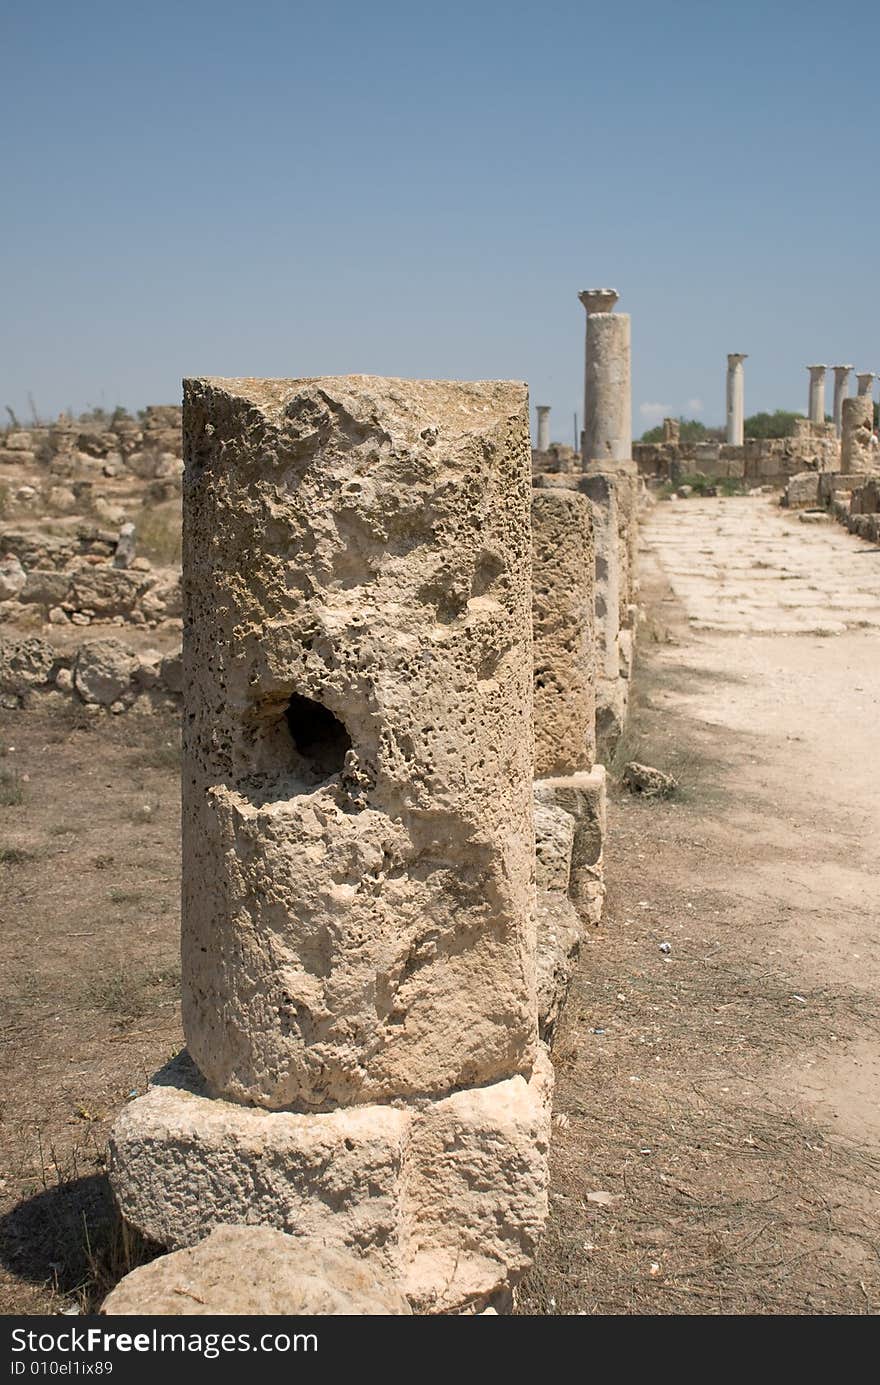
x,y
865,382
735,399
607,431
817,393
543,411
841,390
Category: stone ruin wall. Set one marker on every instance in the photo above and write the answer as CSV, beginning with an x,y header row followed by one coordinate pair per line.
x,y
759,461
850,492
88,480
394,658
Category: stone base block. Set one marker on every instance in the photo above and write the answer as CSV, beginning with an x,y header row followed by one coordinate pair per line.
x,y
583,797
560,929
612,697
625,643
801,490
447,1197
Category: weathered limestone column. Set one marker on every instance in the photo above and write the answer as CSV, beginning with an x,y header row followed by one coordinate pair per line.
x,y
816,411
735,399
543,412
607,431
865,382
358,937
841,389
563,567
856,452
569,788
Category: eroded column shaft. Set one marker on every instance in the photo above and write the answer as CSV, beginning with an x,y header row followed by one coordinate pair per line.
x,y
607,431
563,577
856,453
841,389
543,412
358,845
735,399
817,393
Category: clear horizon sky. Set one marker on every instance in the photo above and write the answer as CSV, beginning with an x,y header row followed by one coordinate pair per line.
x,y
290,190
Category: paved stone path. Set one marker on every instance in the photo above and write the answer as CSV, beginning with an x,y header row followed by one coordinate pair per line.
x,y
747,566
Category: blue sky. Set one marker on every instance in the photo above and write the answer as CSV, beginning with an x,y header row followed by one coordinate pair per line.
x,y
421,190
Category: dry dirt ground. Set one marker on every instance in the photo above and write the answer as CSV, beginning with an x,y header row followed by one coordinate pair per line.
x,y
716,1133
89,869
717,1148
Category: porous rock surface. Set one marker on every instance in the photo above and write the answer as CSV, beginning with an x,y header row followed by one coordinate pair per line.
x,y
563,570
255,1270
358,911
446,1197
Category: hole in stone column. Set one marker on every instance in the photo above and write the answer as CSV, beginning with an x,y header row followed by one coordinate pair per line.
x,y
320,737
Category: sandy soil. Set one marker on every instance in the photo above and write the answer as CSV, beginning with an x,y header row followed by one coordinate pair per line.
x,y
718,1130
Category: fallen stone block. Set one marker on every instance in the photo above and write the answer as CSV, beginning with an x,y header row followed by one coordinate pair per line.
x,y
103,671
647,781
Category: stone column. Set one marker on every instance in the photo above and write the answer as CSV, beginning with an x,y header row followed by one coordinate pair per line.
x,y
865,382
569,788
816,412
856,453
543,412
358,939
735,399
841,390
607,431
563,568
671,430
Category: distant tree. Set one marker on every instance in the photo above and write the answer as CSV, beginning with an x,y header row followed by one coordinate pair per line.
x,y
779,424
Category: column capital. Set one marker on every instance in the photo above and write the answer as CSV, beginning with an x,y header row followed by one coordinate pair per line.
x,y
735,358
599,300
817,369
839,369
865,380
543,408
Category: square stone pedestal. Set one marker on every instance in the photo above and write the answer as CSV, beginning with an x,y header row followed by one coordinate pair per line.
x,y
448,1197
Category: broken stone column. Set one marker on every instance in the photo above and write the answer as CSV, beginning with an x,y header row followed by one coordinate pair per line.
x,y
563,567
357,929
841,389
543,411
672,430
816,411
569,789
856,450
735,399
865,382
607,431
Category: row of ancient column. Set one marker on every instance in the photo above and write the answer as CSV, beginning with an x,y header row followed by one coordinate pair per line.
x,y
864,382
816,401
607,430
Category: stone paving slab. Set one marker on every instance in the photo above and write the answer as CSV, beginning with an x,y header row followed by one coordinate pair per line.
x,y
745,566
